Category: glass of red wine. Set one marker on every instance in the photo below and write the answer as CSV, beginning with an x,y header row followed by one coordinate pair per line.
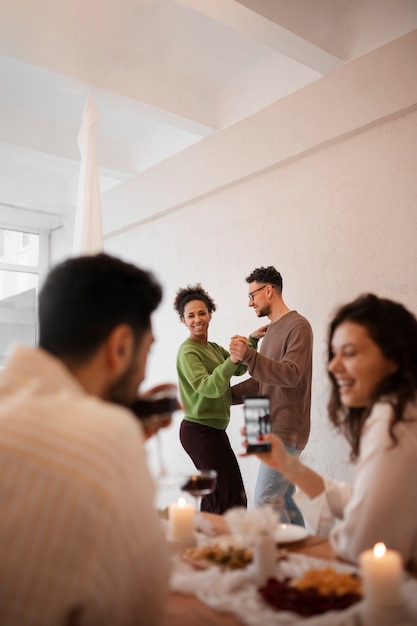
x,y
199,484
155,410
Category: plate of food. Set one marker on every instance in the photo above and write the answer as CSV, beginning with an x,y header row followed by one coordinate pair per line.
x,y
317,591
224,556
226,552
289,533
312,591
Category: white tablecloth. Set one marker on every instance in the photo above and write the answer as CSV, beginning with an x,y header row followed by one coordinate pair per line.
x,y
235,591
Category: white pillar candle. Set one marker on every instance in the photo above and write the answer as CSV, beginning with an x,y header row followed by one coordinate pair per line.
x,y
382,575
181,521
265,558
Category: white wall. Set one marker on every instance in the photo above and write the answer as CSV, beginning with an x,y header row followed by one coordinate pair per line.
x,y
334,208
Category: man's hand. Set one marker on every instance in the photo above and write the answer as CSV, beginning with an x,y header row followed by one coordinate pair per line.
x,y
165,393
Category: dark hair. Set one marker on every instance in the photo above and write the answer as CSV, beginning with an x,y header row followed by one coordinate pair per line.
x,y
189,293
394,329
85,297
266,275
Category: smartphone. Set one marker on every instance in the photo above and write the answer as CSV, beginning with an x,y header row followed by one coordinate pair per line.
x,y
257,410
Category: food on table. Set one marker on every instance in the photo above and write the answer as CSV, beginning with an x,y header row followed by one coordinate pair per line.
x,y
232,557
316,592
228,556
328,582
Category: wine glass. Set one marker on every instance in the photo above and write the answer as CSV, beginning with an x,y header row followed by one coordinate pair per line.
x,y
278,505
155,409
199,484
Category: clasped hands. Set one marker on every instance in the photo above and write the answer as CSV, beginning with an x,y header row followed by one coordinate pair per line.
x,y
237,348
239,344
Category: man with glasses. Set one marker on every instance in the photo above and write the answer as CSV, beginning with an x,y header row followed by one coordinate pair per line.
x,y
282,370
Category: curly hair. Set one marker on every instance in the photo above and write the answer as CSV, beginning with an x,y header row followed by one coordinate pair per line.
x,y
394,329
192,292
266,275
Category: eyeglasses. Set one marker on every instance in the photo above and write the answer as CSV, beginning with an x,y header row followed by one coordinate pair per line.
x,y
251,293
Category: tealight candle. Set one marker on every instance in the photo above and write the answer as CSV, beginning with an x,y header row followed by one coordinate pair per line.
x,y
382,575
181,521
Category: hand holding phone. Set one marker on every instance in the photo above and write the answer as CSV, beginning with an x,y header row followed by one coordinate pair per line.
x,y
257,411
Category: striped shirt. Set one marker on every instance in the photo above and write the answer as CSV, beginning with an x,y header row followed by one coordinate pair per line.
x,y
80,542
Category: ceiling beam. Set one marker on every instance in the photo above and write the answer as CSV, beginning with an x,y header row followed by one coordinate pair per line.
x,y
249,22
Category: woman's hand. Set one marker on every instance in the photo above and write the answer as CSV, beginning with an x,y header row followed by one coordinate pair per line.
x,y
258,334
277,457
297,473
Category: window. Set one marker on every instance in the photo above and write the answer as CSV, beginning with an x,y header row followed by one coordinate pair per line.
x,y
24,240
2,239
19,269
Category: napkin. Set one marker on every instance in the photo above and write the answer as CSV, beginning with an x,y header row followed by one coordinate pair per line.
x,y
252,524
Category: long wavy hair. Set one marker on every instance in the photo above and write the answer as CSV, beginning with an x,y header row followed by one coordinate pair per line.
x,y
394,329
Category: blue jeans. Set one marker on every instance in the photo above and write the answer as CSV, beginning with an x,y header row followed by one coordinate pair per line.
x,y
274,489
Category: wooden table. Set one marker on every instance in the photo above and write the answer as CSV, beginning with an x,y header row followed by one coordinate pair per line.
x,y
187,610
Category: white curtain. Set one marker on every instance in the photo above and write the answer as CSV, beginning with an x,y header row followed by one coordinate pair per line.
x,y
88,229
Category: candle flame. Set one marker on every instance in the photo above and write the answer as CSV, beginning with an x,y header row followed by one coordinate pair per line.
x,y
379,550
181,503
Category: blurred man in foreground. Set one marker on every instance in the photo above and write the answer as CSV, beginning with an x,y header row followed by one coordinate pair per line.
x,y
80,542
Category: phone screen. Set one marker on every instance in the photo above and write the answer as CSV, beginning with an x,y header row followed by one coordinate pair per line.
x,y
257,423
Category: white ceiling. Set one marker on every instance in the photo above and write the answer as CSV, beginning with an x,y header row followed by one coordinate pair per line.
x,y
164,74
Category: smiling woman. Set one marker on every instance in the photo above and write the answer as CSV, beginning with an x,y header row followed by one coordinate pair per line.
x,y
358,365
204,371
372,365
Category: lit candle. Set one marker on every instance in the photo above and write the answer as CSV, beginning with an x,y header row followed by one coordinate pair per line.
x,y
181,521
382,575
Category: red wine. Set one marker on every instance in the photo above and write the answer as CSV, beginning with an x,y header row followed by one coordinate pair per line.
x,y
199,485
147,407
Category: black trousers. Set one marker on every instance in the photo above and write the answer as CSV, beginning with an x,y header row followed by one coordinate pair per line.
x,y
209,448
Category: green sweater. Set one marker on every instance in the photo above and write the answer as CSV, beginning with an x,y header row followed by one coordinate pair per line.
x,y
204,373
